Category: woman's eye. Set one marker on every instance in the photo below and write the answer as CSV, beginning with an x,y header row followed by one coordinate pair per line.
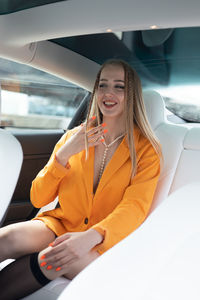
x,y
121,87
102,85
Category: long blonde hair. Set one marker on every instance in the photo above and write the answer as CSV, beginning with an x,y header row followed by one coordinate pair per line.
x,y
135,113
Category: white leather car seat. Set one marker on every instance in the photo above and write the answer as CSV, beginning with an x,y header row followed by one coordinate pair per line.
x,y
188,167
159,261
11,157
171,137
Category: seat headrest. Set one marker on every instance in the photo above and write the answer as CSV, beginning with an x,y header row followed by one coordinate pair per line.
x,y
11,157
154,105
192,140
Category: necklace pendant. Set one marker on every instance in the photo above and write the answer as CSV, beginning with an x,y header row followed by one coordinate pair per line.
x,y
102,166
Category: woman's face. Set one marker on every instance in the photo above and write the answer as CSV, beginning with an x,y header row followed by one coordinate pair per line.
x,y
110,92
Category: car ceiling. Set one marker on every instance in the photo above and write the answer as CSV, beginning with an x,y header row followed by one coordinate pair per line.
x,y
71,18
11,6
26,35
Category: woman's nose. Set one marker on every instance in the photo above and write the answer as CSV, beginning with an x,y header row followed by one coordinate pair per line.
x,y
109,91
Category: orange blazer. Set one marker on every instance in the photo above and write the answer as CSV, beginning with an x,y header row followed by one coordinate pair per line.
x,y
119,205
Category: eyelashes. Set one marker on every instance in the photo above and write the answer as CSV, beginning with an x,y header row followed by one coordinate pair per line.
x,y
103,86
120,87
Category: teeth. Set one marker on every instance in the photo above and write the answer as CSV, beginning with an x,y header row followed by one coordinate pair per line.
x,y
109,103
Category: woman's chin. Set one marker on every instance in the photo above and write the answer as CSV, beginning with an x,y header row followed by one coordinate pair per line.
x,y
111,112
113,115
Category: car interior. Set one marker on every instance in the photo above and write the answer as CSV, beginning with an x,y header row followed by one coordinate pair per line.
x,y
70,40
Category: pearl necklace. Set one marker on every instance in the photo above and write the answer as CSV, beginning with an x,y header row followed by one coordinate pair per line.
x,y
105,154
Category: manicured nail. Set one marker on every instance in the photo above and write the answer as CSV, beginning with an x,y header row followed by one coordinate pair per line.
x,y
103,125
105,130
102,140
94,117
43,264
49,267
58,269
68,166
43,257
51,244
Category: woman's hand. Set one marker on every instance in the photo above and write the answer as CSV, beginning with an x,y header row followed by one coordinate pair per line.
x,y
70,247
76,143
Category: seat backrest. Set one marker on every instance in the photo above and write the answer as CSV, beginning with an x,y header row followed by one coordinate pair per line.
x,y
188,167
11,157
171,137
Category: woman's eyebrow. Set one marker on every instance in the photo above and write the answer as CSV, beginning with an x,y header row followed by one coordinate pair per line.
x,y
116,80
119,80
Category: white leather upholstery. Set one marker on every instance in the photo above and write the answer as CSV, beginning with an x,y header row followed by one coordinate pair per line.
x,y
171,137
137,267
189,163
155,108
51,291
10,164
192,139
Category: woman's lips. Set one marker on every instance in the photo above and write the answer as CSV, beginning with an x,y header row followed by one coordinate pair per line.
x,y
109,104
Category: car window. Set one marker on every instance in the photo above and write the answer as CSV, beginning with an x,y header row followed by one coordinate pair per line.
x,y
167,60
34,99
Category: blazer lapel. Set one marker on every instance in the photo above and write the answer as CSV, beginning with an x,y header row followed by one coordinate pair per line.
x,y
119,158
88,171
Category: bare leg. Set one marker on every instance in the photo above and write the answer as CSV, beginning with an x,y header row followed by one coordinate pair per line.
x,y
23,238
19,278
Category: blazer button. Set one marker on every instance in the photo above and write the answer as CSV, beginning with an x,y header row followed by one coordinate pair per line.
x,y
86,221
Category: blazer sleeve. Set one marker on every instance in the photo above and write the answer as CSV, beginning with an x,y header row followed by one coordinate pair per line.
x,y
135,204
44,187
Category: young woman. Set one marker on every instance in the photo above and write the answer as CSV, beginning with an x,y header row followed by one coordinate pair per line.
x,y
104,173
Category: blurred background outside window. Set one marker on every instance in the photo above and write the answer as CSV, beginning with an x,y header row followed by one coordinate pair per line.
x,y
34,99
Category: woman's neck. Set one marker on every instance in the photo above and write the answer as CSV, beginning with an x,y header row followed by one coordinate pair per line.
x,y
115,128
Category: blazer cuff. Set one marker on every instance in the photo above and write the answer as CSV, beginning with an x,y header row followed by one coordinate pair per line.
x,y
104,245
56,169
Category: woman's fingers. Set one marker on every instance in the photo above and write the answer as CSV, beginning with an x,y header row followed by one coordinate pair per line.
x,y
58,261
90,121
95,129
63,261
60,239
57,257
76,143
97,137
95,134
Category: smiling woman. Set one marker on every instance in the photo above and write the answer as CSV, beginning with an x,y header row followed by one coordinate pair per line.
x,y
110,92
105,171
114,196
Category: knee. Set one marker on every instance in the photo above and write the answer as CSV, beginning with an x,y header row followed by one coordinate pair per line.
x,y
9,238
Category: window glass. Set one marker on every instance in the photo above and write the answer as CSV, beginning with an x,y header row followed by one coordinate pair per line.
x,y
167,60
34,99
